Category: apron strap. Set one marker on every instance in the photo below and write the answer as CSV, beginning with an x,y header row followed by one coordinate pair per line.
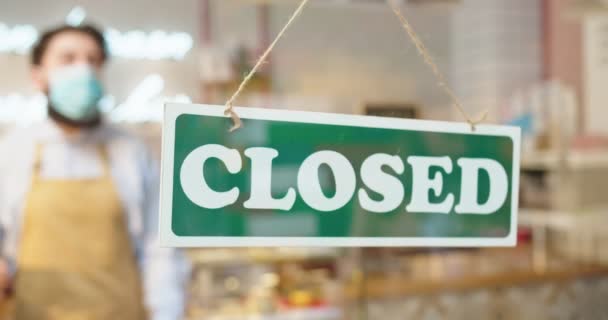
x,y
102,152
104,155
37,161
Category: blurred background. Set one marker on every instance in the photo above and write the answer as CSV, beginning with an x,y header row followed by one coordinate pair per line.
x,y
538,64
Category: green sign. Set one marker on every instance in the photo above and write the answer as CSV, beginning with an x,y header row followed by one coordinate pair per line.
x,y
291,178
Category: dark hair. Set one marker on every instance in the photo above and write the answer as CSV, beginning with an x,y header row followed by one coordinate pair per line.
x,y
41,46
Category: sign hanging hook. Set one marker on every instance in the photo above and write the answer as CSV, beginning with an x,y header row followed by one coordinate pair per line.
x,y
229,105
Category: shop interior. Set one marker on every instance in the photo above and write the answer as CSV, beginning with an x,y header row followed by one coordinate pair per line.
x,y
541,65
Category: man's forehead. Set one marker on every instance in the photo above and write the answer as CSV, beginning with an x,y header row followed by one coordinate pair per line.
x,y
73,40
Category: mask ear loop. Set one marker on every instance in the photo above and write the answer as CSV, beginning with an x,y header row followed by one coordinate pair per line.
x,y
422,50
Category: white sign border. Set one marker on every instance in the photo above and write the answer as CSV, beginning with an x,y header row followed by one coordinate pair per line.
x,y
174,110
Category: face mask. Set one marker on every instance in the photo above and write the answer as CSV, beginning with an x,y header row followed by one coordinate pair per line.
x,y
74,92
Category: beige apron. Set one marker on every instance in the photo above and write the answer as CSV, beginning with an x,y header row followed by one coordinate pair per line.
x,y
76,260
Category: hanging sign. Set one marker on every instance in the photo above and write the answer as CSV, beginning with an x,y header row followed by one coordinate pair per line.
x,y
291,178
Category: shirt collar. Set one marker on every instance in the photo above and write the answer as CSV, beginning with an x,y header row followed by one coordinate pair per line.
x,y
51,132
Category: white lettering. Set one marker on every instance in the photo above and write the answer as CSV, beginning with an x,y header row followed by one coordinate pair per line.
x,y
386,184
309,185
381,182
422,184
469,204
193,179
261,180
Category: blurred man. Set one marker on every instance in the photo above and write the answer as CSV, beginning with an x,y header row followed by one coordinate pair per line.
x,y
79,199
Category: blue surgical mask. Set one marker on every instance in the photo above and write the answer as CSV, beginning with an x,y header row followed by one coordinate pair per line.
x,y
75,91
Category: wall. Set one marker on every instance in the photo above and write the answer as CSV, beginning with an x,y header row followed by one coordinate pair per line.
x,y
595,37
356,53
564,51
496,50
341,56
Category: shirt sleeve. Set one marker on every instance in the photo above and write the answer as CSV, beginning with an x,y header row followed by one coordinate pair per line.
x,y
4,210
2,192
165,270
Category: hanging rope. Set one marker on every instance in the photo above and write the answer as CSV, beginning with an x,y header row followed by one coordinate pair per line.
x,y
422,50
428,59
229,108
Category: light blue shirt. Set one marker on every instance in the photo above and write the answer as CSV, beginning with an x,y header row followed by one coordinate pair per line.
x,y
135,173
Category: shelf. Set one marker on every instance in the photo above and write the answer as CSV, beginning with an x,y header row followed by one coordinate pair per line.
x,y
391,288
302,314
259,255
550,160
591,222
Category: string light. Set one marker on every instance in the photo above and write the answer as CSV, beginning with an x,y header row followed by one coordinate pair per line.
x,y
76,16
18,39
134,44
